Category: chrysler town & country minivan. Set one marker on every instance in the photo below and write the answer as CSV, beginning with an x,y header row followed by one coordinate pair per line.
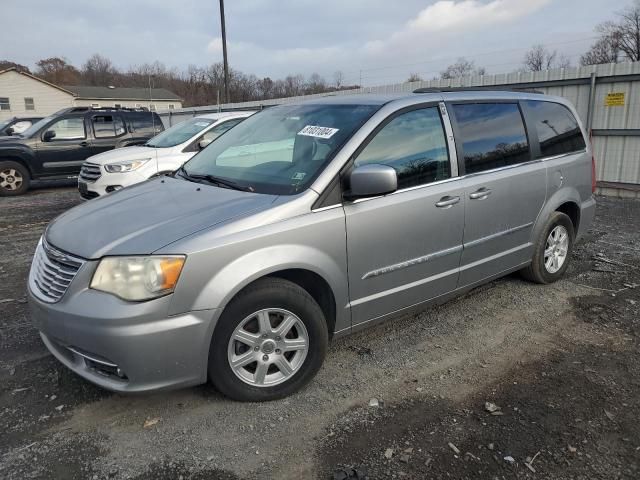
x,y
306,222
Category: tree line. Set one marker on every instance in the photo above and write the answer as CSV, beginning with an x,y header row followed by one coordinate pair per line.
x,y
618,40
196,85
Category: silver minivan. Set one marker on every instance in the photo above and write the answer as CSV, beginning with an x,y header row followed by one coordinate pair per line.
x,y
306,222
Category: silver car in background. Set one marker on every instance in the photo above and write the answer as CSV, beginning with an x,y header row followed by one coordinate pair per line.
x,y
305,222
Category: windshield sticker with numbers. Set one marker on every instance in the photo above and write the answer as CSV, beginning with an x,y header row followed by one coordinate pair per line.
x,y
318,132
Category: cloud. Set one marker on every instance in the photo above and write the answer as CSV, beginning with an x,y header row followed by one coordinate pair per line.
x,y
448,14
442,18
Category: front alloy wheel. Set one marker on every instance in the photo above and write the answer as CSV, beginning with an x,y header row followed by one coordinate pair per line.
x,y
268,347
269,342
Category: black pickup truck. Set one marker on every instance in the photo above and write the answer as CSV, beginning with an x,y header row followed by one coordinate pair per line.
x,y
55,147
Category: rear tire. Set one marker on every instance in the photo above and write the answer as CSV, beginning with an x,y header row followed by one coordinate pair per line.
x,y
269,342
14,178
552,250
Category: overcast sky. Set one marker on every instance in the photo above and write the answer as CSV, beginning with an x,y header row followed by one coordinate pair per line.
x,y
385,39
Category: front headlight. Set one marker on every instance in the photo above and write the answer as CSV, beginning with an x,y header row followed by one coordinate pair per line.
x,y
121,167
138,278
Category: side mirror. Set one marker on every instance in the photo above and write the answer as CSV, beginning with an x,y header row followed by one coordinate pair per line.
x,y
9,131
203,143
48,135
372,180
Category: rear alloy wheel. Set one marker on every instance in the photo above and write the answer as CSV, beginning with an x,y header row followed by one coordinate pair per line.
x,y
269,342
14,179
552,250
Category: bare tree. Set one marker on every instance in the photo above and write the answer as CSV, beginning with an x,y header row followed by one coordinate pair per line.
x,y
539,58
98,70
605,50
6,64
625,32
338,79
461,68
619,39
57,70
414,77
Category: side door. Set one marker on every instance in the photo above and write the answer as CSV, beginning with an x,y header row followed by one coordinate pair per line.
x,y
404,248
107,129
62,146
504,187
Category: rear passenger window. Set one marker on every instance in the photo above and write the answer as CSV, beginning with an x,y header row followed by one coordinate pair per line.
x,y
557,128
105,126
492,135
414,144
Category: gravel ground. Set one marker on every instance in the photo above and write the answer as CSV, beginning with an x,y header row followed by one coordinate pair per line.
x,y
558,364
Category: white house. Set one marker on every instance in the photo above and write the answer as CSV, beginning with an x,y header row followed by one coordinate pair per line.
x,y
24,95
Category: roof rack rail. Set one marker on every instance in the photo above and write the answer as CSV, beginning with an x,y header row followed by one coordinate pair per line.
x,y
490,88
108,109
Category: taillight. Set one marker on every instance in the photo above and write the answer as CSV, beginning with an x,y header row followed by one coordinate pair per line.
x,y
593,166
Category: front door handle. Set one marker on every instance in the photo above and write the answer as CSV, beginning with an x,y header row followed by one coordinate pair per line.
x,y
84,144
480,194
446,202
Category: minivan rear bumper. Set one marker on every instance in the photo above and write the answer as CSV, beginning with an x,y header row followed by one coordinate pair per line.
x,y
136,348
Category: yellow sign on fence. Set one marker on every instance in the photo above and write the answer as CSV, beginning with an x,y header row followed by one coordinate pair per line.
x,y
614,99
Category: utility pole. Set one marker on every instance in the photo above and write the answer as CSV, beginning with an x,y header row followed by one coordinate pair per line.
x,y
224,53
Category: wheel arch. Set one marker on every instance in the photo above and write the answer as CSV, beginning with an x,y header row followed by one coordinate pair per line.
x,y
567,201
17,159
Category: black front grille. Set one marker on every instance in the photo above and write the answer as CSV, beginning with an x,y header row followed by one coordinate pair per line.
x,y
90,172
88,195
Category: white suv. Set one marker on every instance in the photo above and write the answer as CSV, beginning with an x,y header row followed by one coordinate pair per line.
x,y
164,153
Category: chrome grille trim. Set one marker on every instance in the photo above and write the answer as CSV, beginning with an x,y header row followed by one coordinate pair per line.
x,y
52,271
90,172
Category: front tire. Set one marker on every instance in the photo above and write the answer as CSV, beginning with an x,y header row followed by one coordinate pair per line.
x,y
552,250
14,178
270,341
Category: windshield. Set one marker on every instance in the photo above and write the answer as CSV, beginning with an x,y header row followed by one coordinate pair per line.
x,y
36,126
280,150
180,133
5,123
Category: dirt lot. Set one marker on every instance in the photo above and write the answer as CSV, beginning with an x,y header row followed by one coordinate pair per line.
x,y
560,365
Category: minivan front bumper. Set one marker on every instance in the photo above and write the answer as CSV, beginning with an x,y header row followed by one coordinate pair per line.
x,y
124,346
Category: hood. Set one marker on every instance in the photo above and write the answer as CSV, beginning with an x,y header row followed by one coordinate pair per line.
x,y
145,217
10,140
123,154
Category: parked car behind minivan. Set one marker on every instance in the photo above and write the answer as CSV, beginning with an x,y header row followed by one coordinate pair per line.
x,y
306,222
55,147
164,153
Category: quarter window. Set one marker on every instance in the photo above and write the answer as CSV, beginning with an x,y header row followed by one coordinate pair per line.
x,y
29,104
492,135
414,144
105,126
68,129
4,103
557,128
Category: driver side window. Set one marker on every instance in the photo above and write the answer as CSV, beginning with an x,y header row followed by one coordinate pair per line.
x,y
414,144
68,129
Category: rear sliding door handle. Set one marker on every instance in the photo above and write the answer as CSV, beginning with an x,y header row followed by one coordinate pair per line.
x,y
446,202
480,194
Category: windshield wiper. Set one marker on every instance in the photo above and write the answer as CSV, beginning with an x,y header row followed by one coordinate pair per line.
x,y
223,182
